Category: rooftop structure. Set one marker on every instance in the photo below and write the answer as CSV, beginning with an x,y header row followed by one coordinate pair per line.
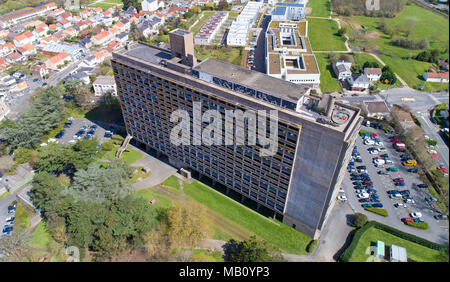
x,y
289,55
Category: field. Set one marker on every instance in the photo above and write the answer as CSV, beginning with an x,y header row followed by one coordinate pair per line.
x,y
415,252
320,8
361,58
228,54
425,24
328,82
172,183
129,155
279,234
106,4
22,218
320,29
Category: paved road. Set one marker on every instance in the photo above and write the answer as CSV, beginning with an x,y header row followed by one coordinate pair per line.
x,y
438,231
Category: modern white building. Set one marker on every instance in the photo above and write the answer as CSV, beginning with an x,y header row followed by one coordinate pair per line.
x,y
289,55
238,32
288,12
210,28
104,84
342,69
152,5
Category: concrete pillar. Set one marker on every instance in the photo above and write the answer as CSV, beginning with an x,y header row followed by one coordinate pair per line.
x,y
242,198
258,206
227,191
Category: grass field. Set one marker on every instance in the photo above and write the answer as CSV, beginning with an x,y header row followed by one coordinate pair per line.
x,y
328,82
129,155
22,218
139,174
279,234
415,252
41,237
320,29
161,200
425,24
4,195
228,54
320,8
360,59
106,4
172,184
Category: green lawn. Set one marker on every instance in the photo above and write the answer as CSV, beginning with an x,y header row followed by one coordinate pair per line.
x,y
41,237
228,54
415,251
22,218
320,8
328,82
172,184
139,174
161,200
282,236
207,255
4,195
321,29
129,155
106,4
361,58
427,25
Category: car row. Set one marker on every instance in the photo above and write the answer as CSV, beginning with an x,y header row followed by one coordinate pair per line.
x,y
9,223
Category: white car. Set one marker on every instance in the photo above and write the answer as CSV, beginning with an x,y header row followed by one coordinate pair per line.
x,y
52,140
374,152
369,142
400,205
382,149
363,195
342,198
409,201
415,214
379,144
341,190
432,152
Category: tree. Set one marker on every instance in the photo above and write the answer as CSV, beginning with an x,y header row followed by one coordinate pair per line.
x,y
342,31
359,220
53,158
371,65
45,188
187,224
251,250
388,76
130,3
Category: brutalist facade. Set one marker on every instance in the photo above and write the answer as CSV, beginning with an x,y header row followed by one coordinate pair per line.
x,y
297,183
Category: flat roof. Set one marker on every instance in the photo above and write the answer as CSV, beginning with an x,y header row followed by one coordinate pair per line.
x,y
146,53
253,79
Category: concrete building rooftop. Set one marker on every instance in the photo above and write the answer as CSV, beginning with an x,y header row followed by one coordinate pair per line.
x,y
253,79
146,53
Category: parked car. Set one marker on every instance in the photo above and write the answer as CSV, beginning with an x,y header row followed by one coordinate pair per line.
x,y
430,199
7,230
409,201
365,200
382,172
407,219
440,216
413,170
400,184
415,214
377,205
399,205
108,133
392,169
399,179
422,185
342,198
367,205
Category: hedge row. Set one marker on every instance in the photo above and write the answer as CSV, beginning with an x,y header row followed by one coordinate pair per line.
x,y
420,225
348,253
378,211
312,246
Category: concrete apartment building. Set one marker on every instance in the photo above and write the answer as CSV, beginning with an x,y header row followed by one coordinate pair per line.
x,y
289,55
298,184
104,84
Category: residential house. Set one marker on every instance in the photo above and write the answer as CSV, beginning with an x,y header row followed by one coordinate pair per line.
x,y
89,62
81,25
86,13
373,74
433,76
15,57
122,38
4,64
101,38
86,43
22,15
358,82
126,25
39,70
97,10
53,27
78,76
20,86
342,69
40,31
27,49
65,15
7,49
443,65
70,32
24,38
56,13
63,23
104,84
101,55
152,5
113,45
376,109
58,60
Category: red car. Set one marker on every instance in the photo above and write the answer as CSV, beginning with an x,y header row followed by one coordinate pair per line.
x,y
395,140
399,180
355,95
368,182
407,219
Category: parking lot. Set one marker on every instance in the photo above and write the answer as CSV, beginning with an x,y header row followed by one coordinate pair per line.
x,y
438,229
77,123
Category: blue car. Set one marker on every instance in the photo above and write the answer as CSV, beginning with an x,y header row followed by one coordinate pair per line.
x,y
377,205
363,200
368,205
371,190
400,184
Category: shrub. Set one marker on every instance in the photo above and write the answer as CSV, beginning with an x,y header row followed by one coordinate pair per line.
x,y
312,246
378,211
359,220
432,142
420,225
22,155
108,146
117,139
